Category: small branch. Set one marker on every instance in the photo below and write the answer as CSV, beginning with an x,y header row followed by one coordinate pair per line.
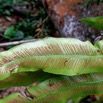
x,y
16,42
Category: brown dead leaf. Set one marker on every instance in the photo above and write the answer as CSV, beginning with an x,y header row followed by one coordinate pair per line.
x,y
6,21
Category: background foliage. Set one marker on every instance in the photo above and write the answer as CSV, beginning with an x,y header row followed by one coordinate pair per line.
x,y
32,20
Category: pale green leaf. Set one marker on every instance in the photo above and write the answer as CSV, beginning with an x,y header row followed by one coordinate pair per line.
x,y
66,56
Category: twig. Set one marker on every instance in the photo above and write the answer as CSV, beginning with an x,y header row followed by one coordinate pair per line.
x,y
16,42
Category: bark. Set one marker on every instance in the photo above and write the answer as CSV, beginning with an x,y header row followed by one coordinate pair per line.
x,y
66,15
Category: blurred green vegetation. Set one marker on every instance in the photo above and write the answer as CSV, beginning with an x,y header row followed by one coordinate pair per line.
x,y
34,21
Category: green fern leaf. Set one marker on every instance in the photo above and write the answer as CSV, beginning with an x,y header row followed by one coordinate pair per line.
x,y
60,89
96,22
24,79
53,55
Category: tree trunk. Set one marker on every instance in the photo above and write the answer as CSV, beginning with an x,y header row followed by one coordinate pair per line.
x,y
66,15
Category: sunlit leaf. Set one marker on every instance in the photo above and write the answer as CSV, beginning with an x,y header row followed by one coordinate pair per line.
x,y
53,55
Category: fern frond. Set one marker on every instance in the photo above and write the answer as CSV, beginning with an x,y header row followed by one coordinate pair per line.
x,y
60,89
56,64
66,56
24,79
99,45
48,46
